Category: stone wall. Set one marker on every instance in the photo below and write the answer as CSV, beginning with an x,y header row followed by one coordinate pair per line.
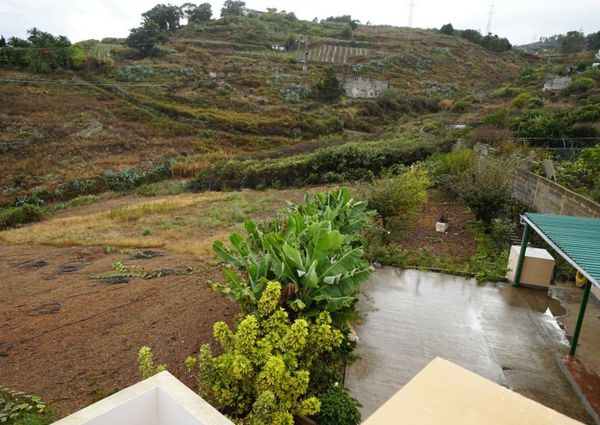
x,y
546,196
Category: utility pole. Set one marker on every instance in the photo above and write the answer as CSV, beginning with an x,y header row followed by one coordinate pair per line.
x,y
304,60
411,11
489,22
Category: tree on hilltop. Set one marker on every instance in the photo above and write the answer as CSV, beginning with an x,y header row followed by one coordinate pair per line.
x,y
166,16
232,8
447,29
572,42
145,38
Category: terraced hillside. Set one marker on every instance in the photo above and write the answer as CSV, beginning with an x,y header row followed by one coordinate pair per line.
x,y
219,91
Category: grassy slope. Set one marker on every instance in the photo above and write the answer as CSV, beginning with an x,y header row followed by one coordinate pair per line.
x,y
243,111
184,223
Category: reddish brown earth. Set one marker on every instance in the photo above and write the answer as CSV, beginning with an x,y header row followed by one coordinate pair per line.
x,y
72,340
458,242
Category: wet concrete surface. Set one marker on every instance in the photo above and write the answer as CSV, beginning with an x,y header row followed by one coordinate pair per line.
x,y
505,334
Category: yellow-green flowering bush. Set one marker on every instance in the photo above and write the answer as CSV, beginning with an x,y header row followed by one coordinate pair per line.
x,y
263,374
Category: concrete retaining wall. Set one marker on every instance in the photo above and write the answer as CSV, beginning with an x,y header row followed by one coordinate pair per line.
x,y
548,197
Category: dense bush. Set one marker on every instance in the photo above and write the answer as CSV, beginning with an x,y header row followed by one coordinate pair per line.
x,y
338,407
329,88
263,375
486,187
395,101
18,215
42,52
505,92
398,196
582,175
295,93
352,161
445,167
490,42
579,85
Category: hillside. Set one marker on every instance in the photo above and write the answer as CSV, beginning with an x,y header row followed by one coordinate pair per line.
x,y
219,91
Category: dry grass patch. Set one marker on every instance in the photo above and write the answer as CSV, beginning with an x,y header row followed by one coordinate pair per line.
x,y
185,223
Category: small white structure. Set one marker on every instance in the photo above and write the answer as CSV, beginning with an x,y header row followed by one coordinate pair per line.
x,y
556,83
441,227
361,87
278,47
158,400
597,56
538,266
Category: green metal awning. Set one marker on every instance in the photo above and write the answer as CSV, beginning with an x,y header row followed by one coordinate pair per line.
x,y
577,240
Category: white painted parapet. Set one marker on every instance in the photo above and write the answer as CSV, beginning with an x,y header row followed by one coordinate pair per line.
x,y
159,400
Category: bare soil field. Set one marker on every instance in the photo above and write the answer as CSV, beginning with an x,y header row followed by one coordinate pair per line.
x,y
73,340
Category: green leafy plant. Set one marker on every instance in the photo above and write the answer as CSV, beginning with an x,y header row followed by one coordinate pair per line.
x,y
338,407
17,405
487,186
320,267
262,377
349,162
399,195
22,214
146,363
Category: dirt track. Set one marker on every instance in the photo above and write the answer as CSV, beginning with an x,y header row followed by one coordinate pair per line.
x,y
73,340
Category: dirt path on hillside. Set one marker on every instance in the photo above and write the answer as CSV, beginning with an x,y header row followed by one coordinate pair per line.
x,y
73,340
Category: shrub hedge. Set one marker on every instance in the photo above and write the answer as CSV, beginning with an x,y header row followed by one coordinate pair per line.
x,y
352,161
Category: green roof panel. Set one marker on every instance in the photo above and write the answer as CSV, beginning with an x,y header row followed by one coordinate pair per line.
x,y
577,239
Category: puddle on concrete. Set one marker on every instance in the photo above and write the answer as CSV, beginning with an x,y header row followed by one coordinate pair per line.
x,y
544,303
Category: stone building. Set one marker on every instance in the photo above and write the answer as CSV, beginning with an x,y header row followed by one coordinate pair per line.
x,y
362,87
556,83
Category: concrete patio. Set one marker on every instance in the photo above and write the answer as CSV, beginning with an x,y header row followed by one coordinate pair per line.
x,y
508,335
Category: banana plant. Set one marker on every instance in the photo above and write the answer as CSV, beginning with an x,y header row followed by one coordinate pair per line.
x,y
316,262
346,214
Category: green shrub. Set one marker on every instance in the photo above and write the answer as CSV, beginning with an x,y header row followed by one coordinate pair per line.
x,y
399,195
19,407
295,93
461,106
449,165
263,375
521,100
582,175
22,214
487,187
498,118
540,123
338,407
349,162
579,85
588,113
506,92
146,363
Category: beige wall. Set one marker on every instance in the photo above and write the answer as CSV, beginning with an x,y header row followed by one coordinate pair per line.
x,y
446,394
548,197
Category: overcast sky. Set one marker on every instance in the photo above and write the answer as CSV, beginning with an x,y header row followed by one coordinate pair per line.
x,y
519,20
